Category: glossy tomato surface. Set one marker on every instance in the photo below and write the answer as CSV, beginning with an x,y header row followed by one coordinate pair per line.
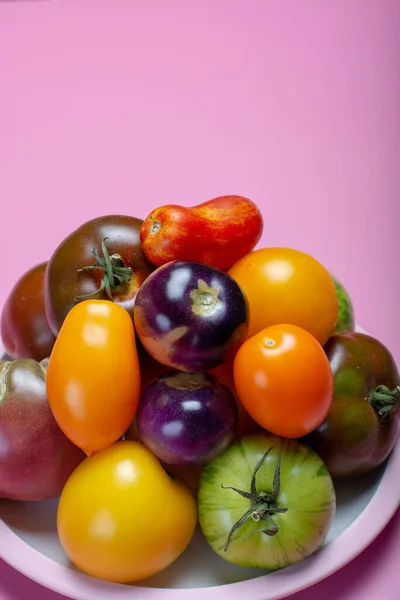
x,y
266,502
36,458
363,422
190,316
67,279
122,518
93,377
284,380
217,232
187,418
284,285
25,331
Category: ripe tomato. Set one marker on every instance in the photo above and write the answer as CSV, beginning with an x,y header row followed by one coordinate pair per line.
x,y
36,458
363,424
24,329
287,286
190,316
101,259
93,377
122,518
217,232
284,380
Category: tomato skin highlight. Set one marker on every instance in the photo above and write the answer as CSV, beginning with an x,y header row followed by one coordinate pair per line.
x,y
217,232
283,285
93,377
306,491
284,380
122,518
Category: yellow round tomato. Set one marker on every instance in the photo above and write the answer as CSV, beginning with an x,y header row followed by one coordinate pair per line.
x,y
122,518
93,377
283,285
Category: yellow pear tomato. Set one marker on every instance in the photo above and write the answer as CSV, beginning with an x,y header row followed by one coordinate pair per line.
x,y
122,517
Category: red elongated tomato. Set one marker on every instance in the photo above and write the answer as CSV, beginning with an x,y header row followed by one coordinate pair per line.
x,y
93,377
218,232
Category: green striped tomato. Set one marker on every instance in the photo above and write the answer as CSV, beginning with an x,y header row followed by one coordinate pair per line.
x,y
266,502
345,320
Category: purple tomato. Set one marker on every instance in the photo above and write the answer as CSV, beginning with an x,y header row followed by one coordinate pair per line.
x,y
186,418
190,316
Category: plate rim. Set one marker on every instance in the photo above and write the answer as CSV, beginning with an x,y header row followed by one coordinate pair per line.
x,y
273,586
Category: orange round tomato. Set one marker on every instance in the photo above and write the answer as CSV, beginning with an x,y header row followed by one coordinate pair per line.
x,y
284,380
283,285
122,518
93,377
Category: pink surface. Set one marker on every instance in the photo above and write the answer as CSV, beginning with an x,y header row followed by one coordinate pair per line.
x,y
115,106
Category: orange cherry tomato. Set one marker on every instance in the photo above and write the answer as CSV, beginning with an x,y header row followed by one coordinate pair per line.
x,y
93,377
284,380
283,285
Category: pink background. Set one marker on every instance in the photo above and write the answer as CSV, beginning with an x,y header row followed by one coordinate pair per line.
x,y
120,106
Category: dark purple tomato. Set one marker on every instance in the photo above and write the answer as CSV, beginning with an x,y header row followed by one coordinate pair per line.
x,y
186,418
190,316
363,423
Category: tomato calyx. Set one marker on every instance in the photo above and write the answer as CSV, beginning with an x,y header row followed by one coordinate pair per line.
x,y
115,273
204,299
263,504
383,400
155,226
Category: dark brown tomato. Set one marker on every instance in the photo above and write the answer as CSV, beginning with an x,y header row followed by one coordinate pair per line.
x,y
24,328
364,419
116,241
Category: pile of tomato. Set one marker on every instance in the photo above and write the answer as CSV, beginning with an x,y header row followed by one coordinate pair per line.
x,y
164,374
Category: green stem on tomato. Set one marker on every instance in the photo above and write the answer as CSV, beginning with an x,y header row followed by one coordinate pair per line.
x,y
263,504
115,273
384,400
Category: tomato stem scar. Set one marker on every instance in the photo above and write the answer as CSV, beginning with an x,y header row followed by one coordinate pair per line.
x,y
263,504
155,227
384,401
204,299
115,273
